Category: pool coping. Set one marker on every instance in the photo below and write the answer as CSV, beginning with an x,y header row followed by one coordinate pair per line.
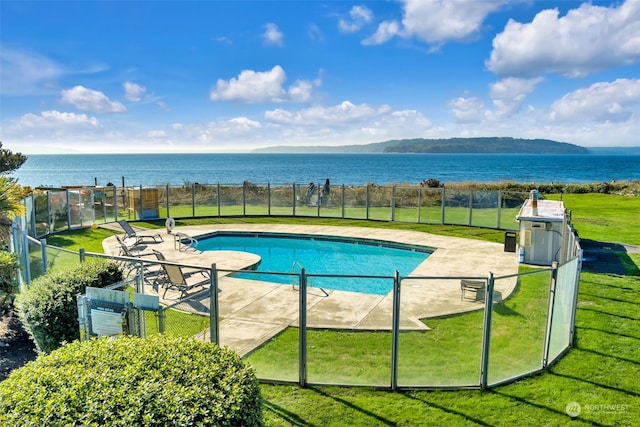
x,y
253,312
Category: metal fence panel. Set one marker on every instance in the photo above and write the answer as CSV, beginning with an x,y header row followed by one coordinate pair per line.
x,y
563,308
518,328
447,351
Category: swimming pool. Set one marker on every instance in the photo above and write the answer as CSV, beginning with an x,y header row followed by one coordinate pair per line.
x,y
285,253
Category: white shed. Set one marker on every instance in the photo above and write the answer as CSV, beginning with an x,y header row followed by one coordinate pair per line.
x,y
541,226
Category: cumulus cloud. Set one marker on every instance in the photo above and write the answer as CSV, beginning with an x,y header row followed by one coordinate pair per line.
x,y
386,31
56,119
358,17
262,86
272,35
508,95
467,110
134,92
437,21
343,112
85,99
585,40
600,102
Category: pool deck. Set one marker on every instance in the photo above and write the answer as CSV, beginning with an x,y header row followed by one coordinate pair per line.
x,y
254,311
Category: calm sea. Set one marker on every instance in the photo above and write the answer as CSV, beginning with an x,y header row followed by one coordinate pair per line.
x,y
350,169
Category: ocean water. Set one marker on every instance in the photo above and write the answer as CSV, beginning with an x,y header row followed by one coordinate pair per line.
x,y
349,169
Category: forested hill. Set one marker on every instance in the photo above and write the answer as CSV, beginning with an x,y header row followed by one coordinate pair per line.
x,y
483,145
488,145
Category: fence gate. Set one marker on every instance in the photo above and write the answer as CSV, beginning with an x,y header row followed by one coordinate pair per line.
x,y
110,312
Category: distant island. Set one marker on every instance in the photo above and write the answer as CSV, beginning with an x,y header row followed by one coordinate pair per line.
x,y
482,145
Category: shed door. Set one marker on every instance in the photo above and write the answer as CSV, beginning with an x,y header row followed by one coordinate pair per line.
x,y
542,245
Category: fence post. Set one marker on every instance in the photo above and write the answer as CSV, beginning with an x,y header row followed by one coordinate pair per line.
x,y
302,338
141,204
244,198
293,199
268,199
393,203
193,199
66,193
218,198
470,207
395,330
550,305
366,202
161,320
499,207
214,327
43,251
25,257
166,200
486,336
318,190
342,200
442,203
115,203
81,252
419,203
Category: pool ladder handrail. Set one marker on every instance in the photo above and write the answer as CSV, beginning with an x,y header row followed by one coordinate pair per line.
x,y
293,278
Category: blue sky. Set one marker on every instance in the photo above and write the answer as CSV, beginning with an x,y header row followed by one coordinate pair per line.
x,y
222,76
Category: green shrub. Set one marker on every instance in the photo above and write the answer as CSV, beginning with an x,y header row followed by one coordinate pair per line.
x,y
128,381
48,307
8,269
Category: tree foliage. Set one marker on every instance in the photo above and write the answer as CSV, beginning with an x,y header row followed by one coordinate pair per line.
x,y
10,161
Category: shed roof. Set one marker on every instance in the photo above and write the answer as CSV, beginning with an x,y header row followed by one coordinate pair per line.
x,y
548,210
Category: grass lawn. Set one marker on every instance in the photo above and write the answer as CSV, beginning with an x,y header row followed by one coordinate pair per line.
x,y
600,373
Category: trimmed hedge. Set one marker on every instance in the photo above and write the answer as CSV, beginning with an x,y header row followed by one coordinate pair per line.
x,y
128,381
48,306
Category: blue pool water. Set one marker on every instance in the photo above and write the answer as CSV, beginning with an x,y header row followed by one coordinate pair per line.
x,y
322,255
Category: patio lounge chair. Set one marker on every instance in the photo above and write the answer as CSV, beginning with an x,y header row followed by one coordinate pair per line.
x,y
176,278
133,252
130,233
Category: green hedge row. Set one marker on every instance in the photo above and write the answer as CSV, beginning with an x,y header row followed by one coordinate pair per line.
x,y
128,381
48,306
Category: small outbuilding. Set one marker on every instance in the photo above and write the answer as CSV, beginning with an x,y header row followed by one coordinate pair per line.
x,y
541,227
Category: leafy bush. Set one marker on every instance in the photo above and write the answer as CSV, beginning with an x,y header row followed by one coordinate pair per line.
x,y
128,381
48,307
8,270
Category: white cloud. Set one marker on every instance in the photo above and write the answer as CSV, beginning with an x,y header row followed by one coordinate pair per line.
x,y
585,40
437,21
467,110
508,95
272,35
344,112
600,102
56,119
386,31
358,17
85,99
25,73
134,92
262,86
